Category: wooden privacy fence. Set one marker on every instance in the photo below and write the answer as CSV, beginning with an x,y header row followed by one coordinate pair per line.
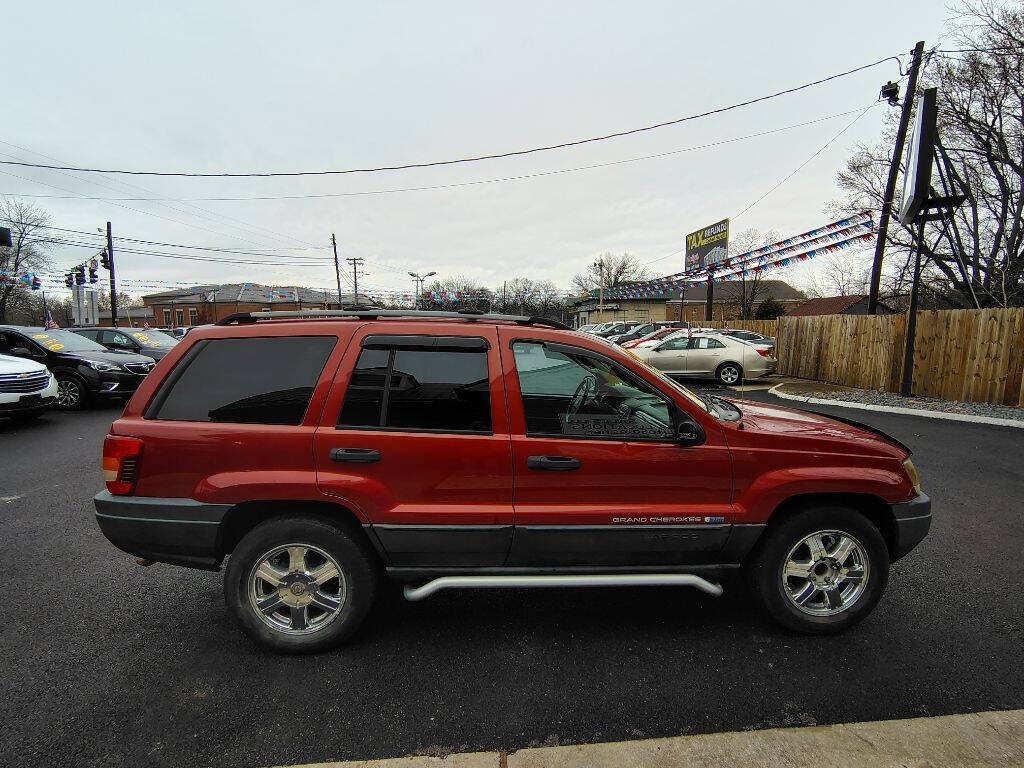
x,y
969,355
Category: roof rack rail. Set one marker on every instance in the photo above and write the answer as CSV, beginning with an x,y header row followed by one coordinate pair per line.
x,y
243,318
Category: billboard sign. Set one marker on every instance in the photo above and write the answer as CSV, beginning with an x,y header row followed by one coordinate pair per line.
x,y
707,246
917,177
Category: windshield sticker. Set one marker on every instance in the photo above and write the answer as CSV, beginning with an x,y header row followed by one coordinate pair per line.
x,y
40,335
55,346
144,338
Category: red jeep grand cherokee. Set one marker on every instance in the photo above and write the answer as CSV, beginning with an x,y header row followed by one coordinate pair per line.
x,y
324,451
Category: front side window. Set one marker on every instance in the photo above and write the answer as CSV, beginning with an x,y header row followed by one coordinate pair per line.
x,y
675,345
116,337
419,389
246,381
582,396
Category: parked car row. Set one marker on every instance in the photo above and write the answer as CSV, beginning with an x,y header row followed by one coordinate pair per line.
x,y
728,355
68,368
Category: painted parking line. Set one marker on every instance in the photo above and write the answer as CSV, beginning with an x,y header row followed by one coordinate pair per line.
x,y
979,739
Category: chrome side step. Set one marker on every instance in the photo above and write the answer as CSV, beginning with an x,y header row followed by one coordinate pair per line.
x,y
598,580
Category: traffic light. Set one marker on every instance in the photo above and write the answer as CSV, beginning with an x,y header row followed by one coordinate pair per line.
x,y
80,274
36,283
69,280
105,260
93,274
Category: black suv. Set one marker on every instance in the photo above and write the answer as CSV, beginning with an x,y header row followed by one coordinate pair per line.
x,y
142,341
84,369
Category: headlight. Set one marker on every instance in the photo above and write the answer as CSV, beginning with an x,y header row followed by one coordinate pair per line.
x,y
908,465
101,366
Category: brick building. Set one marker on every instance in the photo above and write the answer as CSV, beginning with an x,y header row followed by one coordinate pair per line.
x,y
201,304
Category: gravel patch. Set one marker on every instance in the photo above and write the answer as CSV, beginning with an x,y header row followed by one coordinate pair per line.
x,y
892,400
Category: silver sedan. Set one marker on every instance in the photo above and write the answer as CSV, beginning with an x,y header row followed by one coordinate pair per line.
x,y
727,359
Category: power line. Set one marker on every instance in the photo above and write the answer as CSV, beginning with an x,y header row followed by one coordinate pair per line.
x,y
785,179
471,159
189,257
519,177
800,167
259,252
204,213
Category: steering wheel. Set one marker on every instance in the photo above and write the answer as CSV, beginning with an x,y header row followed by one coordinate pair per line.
x,y
587,389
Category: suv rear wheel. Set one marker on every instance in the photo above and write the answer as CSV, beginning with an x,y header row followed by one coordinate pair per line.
x,y
820,571
300,584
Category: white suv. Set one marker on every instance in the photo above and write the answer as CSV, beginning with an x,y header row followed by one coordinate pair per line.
x,y
27,388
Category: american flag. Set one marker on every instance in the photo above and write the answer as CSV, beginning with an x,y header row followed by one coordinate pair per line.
x,y
50,325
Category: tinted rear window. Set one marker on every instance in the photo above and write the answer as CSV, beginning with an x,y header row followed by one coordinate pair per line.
x,y
247,381
435,390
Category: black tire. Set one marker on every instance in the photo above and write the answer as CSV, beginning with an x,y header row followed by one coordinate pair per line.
x,y
729,374
765,567
68,382
353,555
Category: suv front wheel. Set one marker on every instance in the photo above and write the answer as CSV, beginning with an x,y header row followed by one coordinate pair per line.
x,y
300,584
821,570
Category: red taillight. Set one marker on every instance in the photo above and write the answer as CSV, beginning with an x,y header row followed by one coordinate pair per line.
x,y
763,352
121,463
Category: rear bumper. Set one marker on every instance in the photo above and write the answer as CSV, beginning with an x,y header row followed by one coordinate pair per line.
x,y
913,519
168,530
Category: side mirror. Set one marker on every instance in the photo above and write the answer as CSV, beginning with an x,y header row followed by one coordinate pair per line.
x,y
689,433
21,352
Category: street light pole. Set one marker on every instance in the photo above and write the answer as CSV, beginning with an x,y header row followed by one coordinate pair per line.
x,y
419,280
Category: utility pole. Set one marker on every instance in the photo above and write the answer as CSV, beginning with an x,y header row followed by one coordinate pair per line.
x,y
113,286
600,287
709,306
337,269
356,263
890,185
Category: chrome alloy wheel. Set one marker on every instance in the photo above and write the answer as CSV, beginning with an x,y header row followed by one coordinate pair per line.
x,y
297,589
69,393
825,573
729,374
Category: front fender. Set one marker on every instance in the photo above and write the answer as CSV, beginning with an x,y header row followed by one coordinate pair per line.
x,y
756,502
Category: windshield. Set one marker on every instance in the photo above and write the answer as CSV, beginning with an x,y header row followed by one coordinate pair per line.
x,y
153,339
58,340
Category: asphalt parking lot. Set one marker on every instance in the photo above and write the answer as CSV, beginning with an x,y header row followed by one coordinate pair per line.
x,y
106,663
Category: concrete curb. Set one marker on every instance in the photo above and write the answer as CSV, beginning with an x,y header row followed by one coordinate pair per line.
x,y
990,739
1016,423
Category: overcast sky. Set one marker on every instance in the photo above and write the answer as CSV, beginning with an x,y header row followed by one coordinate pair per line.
x,y
254,86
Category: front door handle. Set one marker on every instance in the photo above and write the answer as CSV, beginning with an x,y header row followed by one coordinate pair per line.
x,y
355,455
553,463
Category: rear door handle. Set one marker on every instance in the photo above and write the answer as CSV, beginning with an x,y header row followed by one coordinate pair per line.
x,y
553,463
355,455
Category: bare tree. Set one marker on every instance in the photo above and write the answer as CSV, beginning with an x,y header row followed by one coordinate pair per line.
x,y
981,126
28,253
531,297
839,275
619,269
457,292
749,289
